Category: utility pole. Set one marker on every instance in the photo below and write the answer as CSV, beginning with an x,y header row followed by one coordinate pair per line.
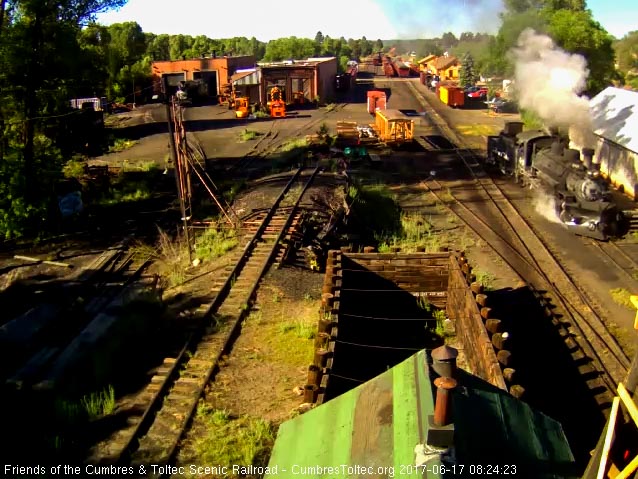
x,y
176,166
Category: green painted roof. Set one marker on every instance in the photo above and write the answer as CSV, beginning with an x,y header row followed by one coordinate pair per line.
x,y
378,425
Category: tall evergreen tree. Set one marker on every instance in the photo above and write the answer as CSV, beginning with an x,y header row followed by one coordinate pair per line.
x,y
467,74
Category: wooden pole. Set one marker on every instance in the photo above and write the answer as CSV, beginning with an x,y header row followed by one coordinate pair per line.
x,y
609,437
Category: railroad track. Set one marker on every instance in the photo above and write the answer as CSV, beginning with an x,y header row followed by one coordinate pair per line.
x,y
49,329
535,263
521,247
171,399
619,258
274,141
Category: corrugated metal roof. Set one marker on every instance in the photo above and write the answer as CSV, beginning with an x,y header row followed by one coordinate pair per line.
x,y
614,114
246,78
379,424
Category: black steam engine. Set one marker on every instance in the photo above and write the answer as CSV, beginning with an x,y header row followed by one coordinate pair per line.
x,y
539,160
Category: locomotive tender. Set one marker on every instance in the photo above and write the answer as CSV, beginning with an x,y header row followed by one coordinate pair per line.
x,y
542,161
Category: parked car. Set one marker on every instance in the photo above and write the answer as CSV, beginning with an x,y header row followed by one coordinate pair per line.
x,y
481,93
471,89
498,105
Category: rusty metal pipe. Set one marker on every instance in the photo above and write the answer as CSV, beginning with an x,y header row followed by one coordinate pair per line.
x,y
443,404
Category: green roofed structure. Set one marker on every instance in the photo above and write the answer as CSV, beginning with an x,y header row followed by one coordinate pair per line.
x,y
382,428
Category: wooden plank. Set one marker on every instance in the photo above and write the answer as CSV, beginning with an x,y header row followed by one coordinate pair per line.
x,y
633,465
628,402
372,430
609,437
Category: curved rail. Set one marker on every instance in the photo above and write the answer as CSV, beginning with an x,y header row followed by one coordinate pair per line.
x,y
591,334
180,383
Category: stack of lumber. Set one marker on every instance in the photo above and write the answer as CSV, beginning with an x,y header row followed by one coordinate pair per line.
x,y
347,131
314,139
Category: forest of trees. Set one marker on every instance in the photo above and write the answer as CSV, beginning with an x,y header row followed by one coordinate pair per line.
x,y
53,51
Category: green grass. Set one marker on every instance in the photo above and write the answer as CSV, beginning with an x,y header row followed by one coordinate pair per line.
x,y
117,196
120,144
301,329
291,145
99,404
416,232
331,106
214,243
289,335
621,296
485,278
247,135
232,440
261,114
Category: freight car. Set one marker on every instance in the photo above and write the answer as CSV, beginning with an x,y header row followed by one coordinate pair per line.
x,y
542,161
393,127
402,69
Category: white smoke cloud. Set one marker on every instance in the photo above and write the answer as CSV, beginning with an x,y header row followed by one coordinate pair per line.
x,y
548,82
545,205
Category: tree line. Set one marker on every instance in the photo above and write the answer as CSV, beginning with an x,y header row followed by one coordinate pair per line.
x,y
123,53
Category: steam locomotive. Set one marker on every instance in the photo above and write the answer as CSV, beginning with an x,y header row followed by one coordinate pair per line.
x,y
543,161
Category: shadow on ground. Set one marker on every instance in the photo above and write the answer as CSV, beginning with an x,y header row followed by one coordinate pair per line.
x,y
547,371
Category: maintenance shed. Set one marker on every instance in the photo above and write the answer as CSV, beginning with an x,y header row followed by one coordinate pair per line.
x,y
300,80
214,71
615,123
388,426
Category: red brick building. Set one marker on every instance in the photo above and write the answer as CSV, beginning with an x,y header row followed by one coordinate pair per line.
x,y
214,71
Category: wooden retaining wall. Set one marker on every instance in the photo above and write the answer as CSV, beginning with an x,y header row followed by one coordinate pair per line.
x,y
447,281
466,306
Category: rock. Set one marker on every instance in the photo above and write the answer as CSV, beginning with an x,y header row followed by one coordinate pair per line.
x,y
298,391
197,262
305,407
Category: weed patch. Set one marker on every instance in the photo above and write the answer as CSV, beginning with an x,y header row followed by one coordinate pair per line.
x,y
288,336
214,243
247,135
621,296
130,186
293,145
232,440
485,278
120,144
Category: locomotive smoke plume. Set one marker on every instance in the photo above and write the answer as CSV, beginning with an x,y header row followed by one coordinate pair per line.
x,y
545,205
548,82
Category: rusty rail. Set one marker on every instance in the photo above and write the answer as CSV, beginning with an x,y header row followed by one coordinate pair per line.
x,y
181,381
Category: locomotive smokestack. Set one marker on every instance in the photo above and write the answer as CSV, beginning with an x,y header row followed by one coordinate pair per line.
x,y
557,148
588,158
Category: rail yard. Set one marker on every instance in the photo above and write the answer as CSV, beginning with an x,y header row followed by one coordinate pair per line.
x,y
241,347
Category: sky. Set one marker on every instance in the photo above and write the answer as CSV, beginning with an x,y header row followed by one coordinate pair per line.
x,y
385,19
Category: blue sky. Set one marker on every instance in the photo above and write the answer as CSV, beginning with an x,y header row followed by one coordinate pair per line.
x,y
373,19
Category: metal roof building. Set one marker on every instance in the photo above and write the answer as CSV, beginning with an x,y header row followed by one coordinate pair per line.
x,y
381,429
614,113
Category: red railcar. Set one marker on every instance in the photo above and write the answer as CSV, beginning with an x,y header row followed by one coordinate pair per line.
x,y
402,69
376,100
389,69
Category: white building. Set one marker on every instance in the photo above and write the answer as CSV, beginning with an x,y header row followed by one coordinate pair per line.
x,y
614,114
